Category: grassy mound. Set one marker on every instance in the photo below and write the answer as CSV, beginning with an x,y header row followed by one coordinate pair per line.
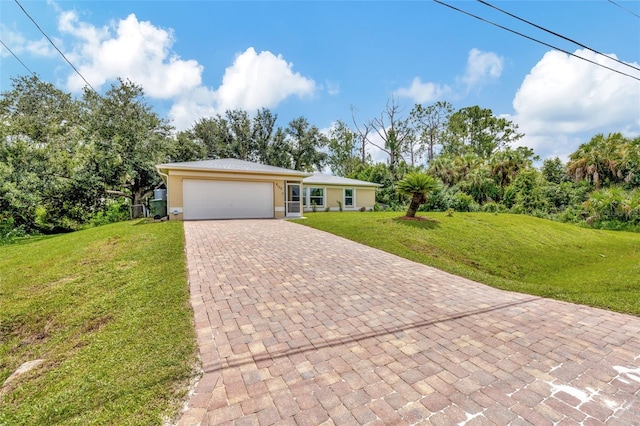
x,y
107,309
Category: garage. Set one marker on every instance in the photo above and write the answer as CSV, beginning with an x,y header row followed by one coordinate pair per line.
x,y
220,199
228,188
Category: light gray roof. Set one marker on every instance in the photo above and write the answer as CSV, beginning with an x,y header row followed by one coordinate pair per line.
x,y
320,178
231,165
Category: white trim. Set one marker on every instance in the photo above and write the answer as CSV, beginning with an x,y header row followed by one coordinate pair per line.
x,y
353,199
308,197
287,202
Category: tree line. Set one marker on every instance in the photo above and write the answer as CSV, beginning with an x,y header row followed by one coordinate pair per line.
x,y
66,162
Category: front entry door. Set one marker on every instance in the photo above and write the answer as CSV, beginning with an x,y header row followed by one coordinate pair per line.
x,y
293,200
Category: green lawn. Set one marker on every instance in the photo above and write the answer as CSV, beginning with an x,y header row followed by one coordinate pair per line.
x,y
108,310
512,252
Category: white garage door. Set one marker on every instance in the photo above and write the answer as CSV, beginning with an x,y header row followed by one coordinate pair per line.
x,y
211,199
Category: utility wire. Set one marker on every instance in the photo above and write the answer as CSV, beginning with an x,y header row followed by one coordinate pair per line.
x,y
624,8
54,45
15,56
534,39
556,34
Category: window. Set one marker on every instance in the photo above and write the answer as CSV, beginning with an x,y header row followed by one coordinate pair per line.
x,y
348,197
316,195
304,196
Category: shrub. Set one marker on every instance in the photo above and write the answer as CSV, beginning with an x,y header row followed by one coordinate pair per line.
x,y
9,231
493,207
464,203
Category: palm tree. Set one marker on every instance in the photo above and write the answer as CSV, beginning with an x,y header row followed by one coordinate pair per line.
x,y
417,185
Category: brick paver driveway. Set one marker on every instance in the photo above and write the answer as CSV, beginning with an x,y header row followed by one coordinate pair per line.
x,y
297,326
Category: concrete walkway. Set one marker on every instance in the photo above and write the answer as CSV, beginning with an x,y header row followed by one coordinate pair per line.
x,y
299,327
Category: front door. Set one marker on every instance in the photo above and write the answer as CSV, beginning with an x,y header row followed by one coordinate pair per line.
x,y
293,199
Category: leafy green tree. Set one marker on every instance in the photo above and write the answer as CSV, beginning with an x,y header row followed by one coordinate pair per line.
x,y
507,163
243,145
479,184
263,135
476,130
554,170
417,185
609,160
129,140
526,193
376,173
629,166
44,181
279,151
344,152
214,134
305,145
186,148
430,125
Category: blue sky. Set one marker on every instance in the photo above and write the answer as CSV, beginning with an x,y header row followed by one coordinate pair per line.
x,y
317,59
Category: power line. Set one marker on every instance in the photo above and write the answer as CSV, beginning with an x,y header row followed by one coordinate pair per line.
x,y
16,56
624,8
556,34
534,39
54,45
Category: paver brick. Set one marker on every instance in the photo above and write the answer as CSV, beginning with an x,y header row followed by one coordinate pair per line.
x,y
288,337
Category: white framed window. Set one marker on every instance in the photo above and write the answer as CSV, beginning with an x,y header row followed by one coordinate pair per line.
x,y
304,196
316,196
349,197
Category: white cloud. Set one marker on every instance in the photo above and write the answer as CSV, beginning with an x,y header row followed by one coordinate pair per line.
x,y
141,52
131,49
423,92
258,80
198,103
563,101
253,81
333,88
481,67
19,44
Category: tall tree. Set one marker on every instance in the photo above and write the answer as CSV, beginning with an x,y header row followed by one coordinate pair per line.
x,y
305,144
507,163
130,139
279,150
262,133
362,131
242,146
186,148
44,183
395,133
554,170
430,124
344,155
476,130
607,159
214,134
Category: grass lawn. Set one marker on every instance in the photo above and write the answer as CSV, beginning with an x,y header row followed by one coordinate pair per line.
x,y
511,252
108,310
